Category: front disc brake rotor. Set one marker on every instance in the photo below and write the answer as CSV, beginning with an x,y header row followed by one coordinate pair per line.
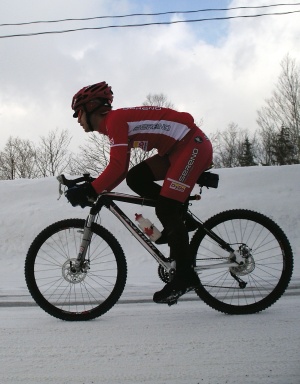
x,y
71,274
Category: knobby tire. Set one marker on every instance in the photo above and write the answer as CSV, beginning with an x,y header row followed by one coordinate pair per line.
x,y
267,271
75,296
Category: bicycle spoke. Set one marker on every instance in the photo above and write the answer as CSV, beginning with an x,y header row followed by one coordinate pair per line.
x,y
264,261
67,292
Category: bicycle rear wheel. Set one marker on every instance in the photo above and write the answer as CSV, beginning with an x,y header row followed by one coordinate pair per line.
x,y
267,268
70,295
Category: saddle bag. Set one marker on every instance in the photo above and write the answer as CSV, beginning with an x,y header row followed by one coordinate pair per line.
x,y
209,180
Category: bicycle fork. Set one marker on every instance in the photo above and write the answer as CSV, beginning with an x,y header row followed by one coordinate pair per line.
x,y
81,264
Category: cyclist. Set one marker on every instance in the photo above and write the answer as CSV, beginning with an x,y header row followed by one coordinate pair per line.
x,y
183,153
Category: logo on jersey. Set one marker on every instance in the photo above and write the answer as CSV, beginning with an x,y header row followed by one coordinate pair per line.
x,y
152,127
140,144
198,139
177,186
189,165
144,108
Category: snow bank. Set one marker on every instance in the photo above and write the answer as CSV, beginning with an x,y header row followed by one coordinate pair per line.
x,y
28,206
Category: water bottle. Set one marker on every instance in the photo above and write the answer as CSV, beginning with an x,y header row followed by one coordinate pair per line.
x,y
147,227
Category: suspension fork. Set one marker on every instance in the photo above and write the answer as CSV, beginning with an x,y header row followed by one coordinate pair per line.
x,y
86,239
87,232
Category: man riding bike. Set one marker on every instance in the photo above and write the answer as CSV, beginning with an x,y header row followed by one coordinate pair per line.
x,y
183,154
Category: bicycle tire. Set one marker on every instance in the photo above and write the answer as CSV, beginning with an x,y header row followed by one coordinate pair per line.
x,y
267,270
75,296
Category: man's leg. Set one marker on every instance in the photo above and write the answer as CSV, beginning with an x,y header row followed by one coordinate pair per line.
x,y
187,162
141,178
170,213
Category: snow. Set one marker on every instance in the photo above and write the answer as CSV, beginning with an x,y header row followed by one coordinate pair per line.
x,y
138,341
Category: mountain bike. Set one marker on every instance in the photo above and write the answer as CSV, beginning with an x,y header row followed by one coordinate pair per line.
x,y
76,269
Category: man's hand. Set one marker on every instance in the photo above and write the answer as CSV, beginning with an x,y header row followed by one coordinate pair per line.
x,y
83,195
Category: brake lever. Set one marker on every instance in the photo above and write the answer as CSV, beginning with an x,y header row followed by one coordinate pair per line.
x,y
60,191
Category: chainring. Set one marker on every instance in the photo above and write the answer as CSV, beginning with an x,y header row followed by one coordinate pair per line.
x,y
163,274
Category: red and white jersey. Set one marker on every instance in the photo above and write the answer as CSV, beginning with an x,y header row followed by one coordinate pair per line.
x,y
145,127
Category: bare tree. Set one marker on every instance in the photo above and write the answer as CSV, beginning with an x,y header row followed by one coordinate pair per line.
x,y
17,160
137,155
52,155
94,155
26,165
158,100
8,161
229,148
282,109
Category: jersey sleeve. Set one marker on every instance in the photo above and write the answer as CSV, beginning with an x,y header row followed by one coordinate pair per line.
x,y
117,169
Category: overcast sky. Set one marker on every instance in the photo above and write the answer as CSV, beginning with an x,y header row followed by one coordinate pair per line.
x,y
219,71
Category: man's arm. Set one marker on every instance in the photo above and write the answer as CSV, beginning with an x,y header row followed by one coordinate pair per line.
x,y
116,170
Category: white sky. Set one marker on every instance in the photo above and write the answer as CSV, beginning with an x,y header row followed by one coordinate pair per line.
x,y
220,71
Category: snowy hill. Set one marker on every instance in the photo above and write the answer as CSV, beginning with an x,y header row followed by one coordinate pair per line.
x,y
28,206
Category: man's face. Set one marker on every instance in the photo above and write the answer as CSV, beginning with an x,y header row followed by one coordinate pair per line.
x,y
82,120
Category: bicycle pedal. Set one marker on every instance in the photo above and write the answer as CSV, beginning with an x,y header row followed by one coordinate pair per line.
x,y
172,302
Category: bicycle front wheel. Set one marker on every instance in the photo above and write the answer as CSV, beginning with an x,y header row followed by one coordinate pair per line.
x,y
260,280
75,295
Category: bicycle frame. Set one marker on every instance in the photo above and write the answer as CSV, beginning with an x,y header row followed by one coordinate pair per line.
x,y
107,199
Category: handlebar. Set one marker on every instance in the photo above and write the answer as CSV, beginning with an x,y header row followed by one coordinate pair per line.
x,y
72,182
